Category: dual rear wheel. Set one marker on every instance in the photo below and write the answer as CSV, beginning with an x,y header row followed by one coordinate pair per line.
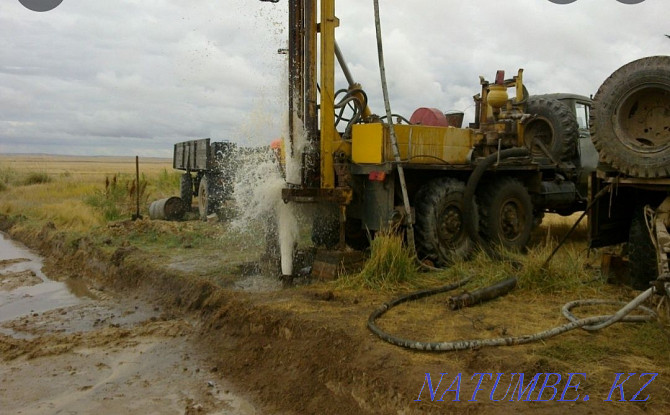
x,y
504,217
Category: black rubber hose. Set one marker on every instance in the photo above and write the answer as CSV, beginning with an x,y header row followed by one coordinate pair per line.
x,y
588,323
473,182
403,299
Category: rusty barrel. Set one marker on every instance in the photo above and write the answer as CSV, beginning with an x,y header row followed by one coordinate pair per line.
x,y
170,208
455,118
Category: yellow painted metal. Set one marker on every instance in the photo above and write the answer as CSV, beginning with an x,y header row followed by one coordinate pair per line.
x,y
367,143
497,96
520,127
418,144
312,30
519,85
330,138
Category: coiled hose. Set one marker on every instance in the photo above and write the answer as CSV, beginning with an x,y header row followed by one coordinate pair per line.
x,y
587,323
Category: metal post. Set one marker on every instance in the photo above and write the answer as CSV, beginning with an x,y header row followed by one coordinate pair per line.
x,y
137,188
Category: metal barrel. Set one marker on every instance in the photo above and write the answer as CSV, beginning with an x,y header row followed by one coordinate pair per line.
x,y
170,208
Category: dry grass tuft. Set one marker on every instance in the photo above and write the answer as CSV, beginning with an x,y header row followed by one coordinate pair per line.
x,y
391,265
37,178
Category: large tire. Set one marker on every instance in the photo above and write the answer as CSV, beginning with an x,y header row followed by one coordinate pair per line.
x,y
555,126
186,190
440,228
642,262
506,214
630,118
209,195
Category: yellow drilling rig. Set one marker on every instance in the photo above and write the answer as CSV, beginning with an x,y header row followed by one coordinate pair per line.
x,y
450,187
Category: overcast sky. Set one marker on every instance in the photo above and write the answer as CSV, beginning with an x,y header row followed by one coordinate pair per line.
x,y
131,77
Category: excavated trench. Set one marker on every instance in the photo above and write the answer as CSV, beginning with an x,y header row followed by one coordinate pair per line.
x,y
74,346
287,360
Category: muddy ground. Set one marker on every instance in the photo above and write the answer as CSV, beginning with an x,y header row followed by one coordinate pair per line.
x,y
74,347
158,336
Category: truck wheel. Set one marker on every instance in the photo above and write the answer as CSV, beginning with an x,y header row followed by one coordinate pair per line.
x,y
186,190
209,195
642,264
440,230
555,126
506,213
630,126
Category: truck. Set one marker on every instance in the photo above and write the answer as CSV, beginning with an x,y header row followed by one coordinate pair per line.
x,y
630,127
207,173
449,187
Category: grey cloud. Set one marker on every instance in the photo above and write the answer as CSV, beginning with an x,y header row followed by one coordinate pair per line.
x,y
131,77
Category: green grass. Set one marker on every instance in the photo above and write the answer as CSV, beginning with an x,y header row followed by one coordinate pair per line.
x,y
165,184
8,176
37,178
118,198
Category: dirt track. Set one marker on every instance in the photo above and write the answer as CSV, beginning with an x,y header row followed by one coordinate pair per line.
x,y
303,350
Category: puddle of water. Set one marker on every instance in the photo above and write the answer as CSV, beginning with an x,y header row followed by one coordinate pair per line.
x,y
26,300
17,334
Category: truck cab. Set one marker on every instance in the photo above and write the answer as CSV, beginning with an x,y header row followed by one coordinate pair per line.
x,y
586,159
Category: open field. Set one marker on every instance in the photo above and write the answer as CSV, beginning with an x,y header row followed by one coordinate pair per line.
x,y
305,349
63,189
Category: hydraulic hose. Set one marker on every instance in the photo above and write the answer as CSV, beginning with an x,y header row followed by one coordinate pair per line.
x,y
621,315
588,323
473,182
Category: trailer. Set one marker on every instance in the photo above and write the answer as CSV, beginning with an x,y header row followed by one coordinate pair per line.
x,y
208,173
630,127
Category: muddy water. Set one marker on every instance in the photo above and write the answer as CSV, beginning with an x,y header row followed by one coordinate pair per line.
x,y
68,348
39,294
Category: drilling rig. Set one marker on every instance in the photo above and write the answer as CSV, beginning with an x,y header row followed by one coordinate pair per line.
x,y
452,187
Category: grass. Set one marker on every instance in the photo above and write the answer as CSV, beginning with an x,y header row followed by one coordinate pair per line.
x,y
390,262
71,191
118,199
36,178
391,265
8,176
212,251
